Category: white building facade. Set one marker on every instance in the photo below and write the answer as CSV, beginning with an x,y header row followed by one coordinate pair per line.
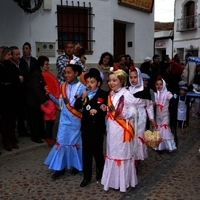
x,y
100,26
187,27
164,43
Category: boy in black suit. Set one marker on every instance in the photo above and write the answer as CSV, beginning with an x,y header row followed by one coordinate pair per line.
x,y
93,124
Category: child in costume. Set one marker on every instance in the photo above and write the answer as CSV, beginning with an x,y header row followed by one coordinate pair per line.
x,y
93,122
144,105
162,97
50,116
119,170
146,79
182,105
67,152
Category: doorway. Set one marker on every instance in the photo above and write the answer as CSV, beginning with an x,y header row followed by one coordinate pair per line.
x,y
119,39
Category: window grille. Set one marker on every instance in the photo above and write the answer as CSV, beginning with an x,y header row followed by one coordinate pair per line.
x,y
74,23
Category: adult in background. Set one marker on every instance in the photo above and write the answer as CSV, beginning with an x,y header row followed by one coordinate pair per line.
x,y
105,62
37,96
155,67
177,70
79,52
22,67
128,61
121,62
146,68
168,76
9,80
190,69
164,63
30,60
63,61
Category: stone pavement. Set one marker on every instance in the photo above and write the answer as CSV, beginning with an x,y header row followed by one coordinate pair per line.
x,y
173,176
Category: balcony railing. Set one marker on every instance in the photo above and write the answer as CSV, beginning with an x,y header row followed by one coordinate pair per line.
x,y
187,23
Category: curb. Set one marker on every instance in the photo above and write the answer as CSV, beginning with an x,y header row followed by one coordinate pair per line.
x,y
24,147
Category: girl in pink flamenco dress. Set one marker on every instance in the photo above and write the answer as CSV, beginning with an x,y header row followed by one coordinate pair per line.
x,y
142,102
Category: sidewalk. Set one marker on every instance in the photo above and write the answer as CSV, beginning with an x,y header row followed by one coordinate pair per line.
x,y
25,145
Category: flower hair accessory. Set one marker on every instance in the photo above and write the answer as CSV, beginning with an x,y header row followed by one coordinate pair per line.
x,y
159,77
132,68
114,68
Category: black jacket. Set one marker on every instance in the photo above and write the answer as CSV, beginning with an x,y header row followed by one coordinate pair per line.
x,y
9,83
33,64
36,94
93,123
144,94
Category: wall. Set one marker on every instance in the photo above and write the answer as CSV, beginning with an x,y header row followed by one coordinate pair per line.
x,y
186,38
18,27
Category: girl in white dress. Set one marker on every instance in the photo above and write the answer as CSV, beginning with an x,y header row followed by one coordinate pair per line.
x,y
144,105
119,170
162,98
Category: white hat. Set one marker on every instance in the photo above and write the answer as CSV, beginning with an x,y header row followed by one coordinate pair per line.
x,y
145,76
182,83
183,87
147,59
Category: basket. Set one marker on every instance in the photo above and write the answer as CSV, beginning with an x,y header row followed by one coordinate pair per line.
x,y
152,139
152,144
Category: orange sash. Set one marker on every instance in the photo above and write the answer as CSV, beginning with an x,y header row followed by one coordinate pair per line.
x,y
128,128
69,107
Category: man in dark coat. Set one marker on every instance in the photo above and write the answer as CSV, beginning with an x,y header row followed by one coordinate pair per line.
x,y
22,67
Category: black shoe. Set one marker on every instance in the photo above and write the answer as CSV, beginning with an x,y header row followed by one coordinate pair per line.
x,y
84,183
15,146
38,141
57,174
74,171
8,148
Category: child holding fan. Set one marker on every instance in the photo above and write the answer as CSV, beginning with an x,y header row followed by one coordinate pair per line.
x,y
67,152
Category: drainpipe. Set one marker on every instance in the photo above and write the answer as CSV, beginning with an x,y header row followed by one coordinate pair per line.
x,y
173,30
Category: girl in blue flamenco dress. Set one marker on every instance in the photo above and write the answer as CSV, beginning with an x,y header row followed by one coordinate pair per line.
x,y
67,152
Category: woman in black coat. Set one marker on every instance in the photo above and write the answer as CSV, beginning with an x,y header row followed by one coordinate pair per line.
x,y
37,96
9,81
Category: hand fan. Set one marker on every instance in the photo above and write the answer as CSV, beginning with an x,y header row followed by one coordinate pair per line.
x,y
52,83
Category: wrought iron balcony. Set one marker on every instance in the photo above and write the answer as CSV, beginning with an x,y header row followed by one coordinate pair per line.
x,y
187,23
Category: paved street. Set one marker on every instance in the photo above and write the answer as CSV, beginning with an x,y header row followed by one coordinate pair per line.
x,y
173,176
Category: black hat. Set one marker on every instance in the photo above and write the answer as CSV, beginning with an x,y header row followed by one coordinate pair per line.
x,y
93,73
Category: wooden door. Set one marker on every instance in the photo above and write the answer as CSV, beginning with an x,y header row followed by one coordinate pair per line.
x,y
119,39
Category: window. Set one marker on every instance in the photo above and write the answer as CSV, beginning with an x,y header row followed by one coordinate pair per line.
x,y
75,24
189,15
189,20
